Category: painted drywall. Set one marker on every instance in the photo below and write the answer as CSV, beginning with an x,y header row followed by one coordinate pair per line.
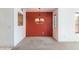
x,y
34,29
66,24
55,24
6,27
19,31
10,33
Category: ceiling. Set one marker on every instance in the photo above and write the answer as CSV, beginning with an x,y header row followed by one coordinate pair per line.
x,y
39,10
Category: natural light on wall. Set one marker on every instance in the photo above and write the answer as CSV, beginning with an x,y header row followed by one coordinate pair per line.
x,y
77,22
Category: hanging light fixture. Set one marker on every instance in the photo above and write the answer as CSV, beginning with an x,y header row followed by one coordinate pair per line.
x,y
39,19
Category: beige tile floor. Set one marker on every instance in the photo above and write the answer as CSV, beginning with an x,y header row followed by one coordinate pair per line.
x,y
45,43
5,48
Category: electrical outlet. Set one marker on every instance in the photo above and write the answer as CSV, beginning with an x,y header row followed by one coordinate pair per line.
x,y
42,33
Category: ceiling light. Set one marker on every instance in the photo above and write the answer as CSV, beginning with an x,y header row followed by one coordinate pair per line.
x,y
39,19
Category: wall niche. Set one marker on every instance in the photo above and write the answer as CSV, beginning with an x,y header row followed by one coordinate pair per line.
x,y
20,19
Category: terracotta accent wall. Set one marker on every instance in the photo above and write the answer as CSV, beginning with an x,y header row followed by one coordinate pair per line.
x,y
33,29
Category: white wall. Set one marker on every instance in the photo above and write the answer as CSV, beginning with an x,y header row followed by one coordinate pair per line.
x,y
6,27
66,24
55,29
10,33
19,31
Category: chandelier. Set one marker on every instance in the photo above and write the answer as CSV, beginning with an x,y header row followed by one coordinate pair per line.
x,y
39,19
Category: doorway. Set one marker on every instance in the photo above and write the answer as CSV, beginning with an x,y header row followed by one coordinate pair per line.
x,y
34,29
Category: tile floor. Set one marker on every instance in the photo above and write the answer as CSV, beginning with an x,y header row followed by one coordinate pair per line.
x,y
45,43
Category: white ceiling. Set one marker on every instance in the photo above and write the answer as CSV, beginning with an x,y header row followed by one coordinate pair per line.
x,y
41,9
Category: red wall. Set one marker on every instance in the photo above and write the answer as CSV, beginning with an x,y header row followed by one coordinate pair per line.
x,y
33,29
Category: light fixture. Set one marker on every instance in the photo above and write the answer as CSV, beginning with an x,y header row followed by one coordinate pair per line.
x,y
42,19
39,19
